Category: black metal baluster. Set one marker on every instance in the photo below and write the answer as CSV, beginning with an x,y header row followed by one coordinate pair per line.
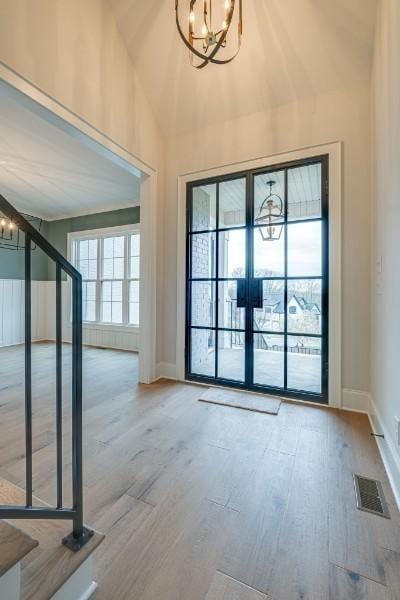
x,y
28,368
77,409
59,387
80,534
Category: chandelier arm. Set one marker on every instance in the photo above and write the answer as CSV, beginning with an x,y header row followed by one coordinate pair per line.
x,y
206,60
208,25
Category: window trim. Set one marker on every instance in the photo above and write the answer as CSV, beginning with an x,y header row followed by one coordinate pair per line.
x,y
98,234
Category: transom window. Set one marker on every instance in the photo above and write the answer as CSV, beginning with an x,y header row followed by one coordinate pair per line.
x,y
109,262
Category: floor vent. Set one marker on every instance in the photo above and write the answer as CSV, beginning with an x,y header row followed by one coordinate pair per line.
x,y
370,496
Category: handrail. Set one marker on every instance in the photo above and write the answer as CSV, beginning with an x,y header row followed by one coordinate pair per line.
x,y
80,534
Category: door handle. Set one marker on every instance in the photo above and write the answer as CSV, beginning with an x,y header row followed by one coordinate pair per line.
x,y
241,294
256,293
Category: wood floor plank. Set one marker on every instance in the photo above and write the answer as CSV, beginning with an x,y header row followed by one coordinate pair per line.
x,y
184,489
346,585
352,538
190,564
261,502
392,569
300,565
225,588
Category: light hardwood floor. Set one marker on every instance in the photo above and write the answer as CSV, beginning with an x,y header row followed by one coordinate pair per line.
x,y
208,502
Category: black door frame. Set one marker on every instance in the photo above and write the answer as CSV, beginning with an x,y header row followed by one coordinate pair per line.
x,y
249,175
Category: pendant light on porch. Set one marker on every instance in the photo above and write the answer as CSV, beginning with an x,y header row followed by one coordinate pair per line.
x,y
271,211
209,28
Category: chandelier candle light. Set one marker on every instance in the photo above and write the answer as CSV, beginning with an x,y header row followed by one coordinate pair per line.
x,y
211,36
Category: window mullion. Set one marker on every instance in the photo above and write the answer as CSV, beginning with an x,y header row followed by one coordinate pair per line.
x,y
99,277
125,290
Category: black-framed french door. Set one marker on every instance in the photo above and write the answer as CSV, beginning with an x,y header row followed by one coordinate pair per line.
x,y
257,280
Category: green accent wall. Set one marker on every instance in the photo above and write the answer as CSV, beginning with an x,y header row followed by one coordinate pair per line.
x,y
12,264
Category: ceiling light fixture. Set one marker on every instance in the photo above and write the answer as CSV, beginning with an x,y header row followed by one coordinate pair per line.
x,y
207,39
11,238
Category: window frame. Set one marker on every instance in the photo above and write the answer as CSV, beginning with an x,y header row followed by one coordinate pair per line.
x,y
99,235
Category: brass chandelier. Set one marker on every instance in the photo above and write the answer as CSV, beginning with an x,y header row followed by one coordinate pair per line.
x,y
208,27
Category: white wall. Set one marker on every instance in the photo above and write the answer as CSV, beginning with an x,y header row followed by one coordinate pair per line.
x,y
73,51
385,350
341,115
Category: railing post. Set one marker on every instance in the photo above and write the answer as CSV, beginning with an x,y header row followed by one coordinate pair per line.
x,y
80,534
59,387
28,368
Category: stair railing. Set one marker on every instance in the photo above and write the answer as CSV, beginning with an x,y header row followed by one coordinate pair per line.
x,y
80,534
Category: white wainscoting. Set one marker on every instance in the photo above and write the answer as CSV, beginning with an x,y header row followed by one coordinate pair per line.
x,y
12,296
12,316
104,336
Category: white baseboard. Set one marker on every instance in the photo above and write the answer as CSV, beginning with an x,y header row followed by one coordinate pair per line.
x,y
389,454
166,371
356,400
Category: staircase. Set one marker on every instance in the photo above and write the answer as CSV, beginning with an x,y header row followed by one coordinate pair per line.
x,y
40,557
35,563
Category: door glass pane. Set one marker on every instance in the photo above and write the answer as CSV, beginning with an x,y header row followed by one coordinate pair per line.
x,y
304,306
232,203
203,352
304,249
271,317
229,315
203,255
269,256
304,192
231,357
304,364
204,207
269,360
203,303
269,198
232,253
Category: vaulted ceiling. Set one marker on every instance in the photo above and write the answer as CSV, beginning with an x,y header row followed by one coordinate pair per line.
x,y
291,49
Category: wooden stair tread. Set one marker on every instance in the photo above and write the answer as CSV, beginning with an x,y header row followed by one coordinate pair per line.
x,y
14,546
50,564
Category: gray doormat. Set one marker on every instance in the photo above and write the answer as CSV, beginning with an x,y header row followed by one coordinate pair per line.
x,y
244,400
